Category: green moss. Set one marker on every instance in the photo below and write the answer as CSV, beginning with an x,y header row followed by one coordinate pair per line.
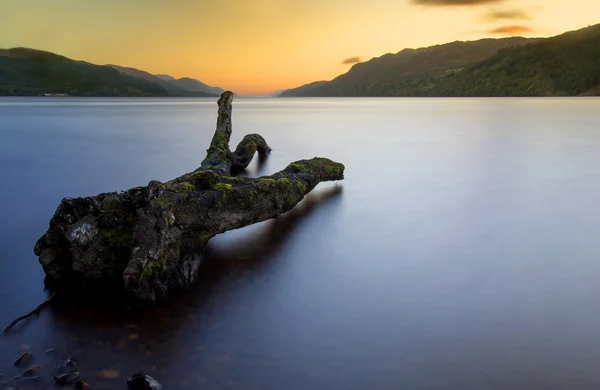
x,y
202,175
336,170
266,180
301,186
294,167
285,181
203,179
252,195
161,201
218,146
222,187
152,270
234,178
185,187
156,183
118,238
219,139
115,238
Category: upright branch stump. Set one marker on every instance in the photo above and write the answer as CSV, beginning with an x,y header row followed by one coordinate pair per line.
x,y
148,240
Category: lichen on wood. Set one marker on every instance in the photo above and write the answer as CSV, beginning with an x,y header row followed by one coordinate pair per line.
x,y
146,241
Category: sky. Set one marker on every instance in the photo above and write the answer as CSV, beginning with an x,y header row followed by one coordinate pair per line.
x,y
255,47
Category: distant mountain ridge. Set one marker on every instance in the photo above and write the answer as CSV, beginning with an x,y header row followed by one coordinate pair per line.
x,y
30,72
165,77
191,85
302,90
568,64
377,76
183,87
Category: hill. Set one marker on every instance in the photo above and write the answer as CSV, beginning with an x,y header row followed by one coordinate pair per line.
x,y
165,77
397,74
28,72
303,90
193,85
167,82
568,64
565,65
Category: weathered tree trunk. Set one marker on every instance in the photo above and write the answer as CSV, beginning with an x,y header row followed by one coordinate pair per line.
x,y
148,240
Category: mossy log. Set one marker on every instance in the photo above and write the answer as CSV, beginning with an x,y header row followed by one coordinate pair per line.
x,y
149,240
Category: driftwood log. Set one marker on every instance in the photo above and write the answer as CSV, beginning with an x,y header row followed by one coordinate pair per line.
x,y
149,240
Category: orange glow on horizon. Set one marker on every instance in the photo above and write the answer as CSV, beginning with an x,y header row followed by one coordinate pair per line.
x,y
255,48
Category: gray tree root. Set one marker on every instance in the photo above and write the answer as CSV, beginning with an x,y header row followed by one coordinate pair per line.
x,y
149,240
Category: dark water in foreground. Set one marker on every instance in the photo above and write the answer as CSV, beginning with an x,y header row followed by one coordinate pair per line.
x,y
461,252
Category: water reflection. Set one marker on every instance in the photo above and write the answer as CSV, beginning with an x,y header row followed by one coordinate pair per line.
x,y
471,264
157,340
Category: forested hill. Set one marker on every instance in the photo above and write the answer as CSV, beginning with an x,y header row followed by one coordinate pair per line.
x,y
170,86
303,90
401,73
567,64
29,72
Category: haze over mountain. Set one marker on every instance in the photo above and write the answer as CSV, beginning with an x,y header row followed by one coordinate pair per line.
x,y
177,87
303,90
165,77
192,85
568,64
26,72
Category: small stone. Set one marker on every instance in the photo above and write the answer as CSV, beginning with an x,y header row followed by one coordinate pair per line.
x,y
50,351
33,371
61,368
80,385
121,345
143,382
66,378
30,379
24,358
25,347
70,362
109,373
152,344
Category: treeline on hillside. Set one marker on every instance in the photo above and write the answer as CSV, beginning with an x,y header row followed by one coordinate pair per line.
x,y
39,75
565,65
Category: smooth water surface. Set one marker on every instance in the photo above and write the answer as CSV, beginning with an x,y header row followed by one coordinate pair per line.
x,y
462,250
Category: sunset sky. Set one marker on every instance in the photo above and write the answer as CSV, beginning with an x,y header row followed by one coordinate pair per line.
x,y
259,46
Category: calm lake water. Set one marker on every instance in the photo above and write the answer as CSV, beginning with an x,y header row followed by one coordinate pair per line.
x,y
462,251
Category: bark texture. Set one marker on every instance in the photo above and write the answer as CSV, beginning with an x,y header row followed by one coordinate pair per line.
x,y
149,240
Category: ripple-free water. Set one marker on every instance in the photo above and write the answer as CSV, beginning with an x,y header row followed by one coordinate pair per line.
x,y
462,250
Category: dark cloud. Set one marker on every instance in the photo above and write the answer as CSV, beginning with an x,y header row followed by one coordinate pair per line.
x,y
454,3
506,15
351,60
507,30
